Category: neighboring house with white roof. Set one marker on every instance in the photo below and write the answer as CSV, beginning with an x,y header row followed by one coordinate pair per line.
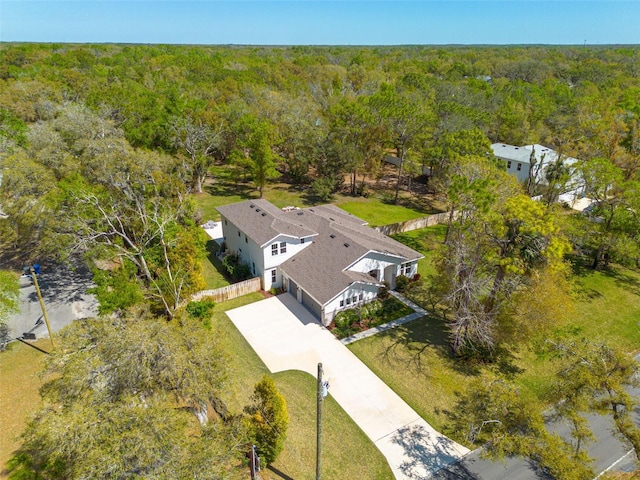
x,y
533,161
325,257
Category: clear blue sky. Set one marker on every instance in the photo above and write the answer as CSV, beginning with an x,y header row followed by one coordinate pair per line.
x,y
308,22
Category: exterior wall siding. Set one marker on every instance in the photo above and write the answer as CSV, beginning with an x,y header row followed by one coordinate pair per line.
x,y
369,293
261,259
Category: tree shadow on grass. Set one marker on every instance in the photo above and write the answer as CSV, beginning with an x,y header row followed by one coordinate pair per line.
x,y
279,473
223,189
410,342
212,255
409,241
630,282
582,269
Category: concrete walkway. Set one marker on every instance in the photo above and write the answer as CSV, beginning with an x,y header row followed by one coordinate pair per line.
x,y
287,337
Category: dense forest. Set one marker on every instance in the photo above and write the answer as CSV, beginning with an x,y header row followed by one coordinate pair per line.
x,y
102,147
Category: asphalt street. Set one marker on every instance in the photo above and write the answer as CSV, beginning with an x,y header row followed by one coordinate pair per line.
x,y
64,291
608,451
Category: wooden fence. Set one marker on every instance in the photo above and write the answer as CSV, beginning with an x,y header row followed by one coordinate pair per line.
x,y
230,291
414,224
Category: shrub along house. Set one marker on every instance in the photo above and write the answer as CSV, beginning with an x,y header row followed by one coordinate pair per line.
x,y
325,257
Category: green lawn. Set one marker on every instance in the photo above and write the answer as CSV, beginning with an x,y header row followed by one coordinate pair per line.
x,y
377,212
19,397
212,268
425,241
343,441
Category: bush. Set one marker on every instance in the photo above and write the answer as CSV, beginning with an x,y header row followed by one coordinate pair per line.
x,y
322,188
401,283
383,291
237,271
200,309
371,310
268,420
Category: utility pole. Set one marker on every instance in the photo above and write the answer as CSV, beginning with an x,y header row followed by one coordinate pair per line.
x,y
44,310
320,397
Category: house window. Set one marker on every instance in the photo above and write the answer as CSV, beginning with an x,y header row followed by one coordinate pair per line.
x,y
348,301
238,232
405,269
361,297
509,165
225,221
342,303
519,167
374,273
245,238
302,240
354,299
253,268
273,275
283,247
274,249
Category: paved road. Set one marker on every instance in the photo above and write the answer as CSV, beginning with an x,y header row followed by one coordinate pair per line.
x,y
287,337
608,452
64,290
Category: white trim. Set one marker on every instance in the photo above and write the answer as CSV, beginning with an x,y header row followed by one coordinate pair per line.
x,y
387,254
375,284
287,236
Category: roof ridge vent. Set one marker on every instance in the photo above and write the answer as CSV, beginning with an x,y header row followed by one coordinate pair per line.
x,y
346,244
332,236
257,209
252,206
264,214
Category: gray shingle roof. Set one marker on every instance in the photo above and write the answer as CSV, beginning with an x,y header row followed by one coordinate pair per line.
x,y
320,268
263,221
339,240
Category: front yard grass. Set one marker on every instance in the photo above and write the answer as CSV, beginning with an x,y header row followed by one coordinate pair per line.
x,y
347,452
19,397
415,360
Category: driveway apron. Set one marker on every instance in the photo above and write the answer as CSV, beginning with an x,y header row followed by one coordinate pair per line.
x,y
286,336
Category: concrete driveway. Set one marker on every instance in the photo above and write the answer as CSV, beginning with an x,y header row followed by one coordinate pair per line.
x,y
287,337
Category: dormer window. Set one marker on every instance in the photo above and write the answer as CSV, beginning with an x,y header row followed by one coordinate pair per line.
x,y
283,247
274,249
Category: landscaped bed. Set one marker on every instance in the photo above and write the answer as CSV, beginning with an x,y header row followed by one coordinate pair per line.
x,y
369,315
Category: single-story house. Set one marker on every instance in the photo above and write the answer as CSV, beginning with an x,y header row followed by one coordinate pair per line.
x,y
325,257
